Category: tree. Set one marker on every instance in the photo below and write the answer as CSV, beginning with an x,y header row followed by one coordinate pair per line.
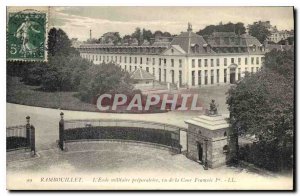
x,y
64,74
106,78
147,35
259,31
59,43
137,35
262,105
238,28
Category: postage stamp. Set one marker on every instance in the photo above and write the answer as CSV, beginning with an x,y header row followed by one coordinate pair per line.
x,y
27,35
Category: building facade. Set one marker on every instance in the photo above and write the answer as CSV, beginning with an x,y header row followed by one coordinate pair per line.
x,y
188,60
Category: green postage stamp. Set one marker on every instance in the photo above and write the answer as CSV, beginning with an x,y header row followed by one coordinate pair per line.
x,y
27,35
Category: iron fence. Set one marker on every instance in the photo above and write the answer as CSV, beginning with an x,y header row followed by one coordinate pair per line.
x,y
120,129
20,137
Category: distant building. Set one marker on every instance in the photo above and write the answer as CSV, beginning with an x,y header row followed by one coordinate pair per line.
x,y
276,36
187,60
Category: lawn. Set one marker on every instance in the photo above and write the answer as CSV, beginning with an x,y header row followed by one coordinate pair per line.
x,y
18,92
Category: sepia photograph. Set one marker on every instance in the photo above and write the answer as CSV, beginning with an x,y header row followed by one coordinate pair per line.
x,y
150,98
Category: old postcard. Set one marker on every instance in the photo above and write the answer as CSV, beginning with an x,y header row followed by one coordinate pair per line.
x,y
150,98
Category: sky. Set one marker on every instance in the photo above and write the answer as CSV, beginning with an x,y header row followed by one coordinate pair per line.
x,y
77,21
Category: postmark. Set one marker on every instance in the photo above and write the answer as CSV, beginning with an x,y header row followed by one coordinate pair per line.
x,y
27,35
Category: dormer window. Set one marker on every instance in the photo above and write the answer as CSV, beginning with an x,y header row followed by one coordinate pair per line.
x,y
207,47
172,51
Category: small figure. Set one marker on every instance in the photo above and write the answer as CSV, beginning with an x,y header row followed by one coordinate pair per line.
x,y
25,32
213,110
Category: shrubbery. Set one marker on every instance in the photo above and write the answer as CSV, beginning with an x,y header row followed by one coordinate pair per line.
x,y
262,104
106,78
66,70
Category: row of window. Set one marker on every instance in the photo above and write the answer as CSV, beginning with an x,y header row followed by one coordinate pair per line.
x,y
254,61
163,61
212,76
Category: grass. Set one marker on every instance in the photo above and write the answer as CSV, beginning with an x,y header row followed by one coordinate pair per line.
x,y
18,92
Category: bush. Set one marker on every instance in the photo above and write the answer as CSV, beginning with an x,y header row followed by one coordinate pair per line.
x,y
267,155
63,73
104,78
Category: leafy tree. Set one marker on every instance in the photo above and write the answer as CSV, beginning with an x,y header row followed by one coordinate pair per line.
x,y
106,78
58,43
238,28
147,35
64,74
262,105
259,31
137,34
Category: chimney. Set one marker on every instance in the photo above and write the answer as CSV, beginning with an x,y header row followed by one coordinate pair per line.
x,y
90,34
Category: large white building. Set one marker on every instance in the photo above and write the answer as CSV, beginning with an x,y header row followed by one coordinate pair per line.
x,y
188,60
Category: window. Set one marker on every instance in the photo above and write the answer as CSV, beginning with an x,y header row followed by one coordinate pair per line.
x,y
180,62
153,71
153,61
257,60
218,76
159,74
262,60
130,59
239,61
225,75
120,59
135,68
159,62
173,76
193,63
218,62
205,62
205,77
199,63
125,67
252,69
165,62
211,62
193,78
239,73
212,76
225,61
180,78
125,59
141,60
246,61
135,60
199,77
165,75
252,60
130,68
147,69
172,62
232,60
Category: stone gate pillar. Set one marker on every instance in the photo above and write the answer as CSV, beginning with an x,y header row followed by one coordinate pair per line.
x,y
207,140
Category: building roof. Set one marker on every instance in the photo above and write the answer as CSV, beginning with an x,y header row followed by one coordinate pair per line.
x,y
140,74
190,43
186,40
